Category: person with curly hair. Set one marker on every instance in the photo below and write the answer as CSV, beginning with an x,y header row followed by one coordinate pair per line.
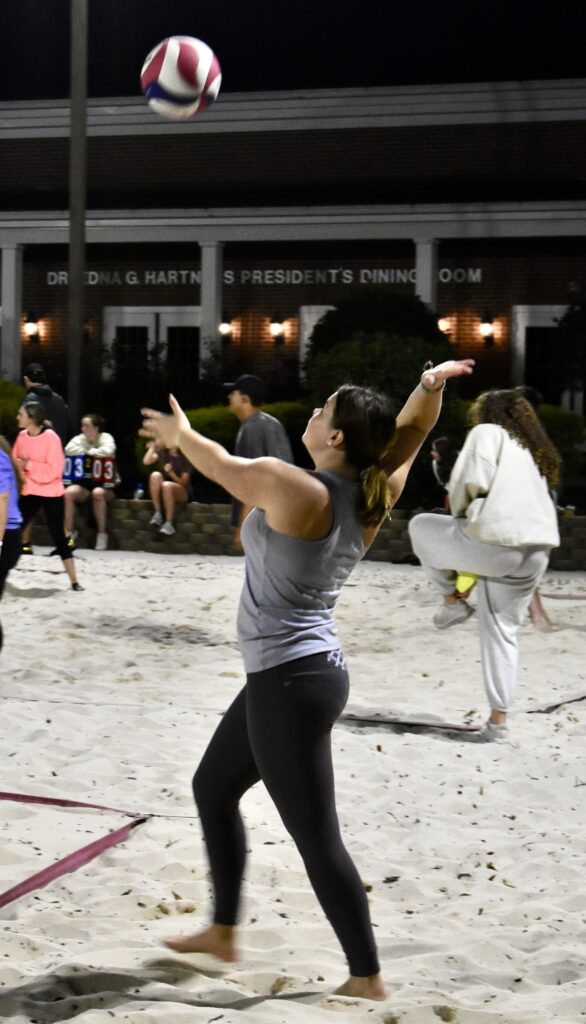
x,y
502,527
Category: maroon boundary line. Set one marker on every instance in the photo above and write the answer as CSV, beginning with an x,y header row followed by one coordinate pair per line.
x,y
23,798
74,860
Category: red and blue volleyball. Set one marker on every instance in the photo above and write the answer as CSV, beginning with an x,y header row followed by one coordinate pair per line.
x,y
181,77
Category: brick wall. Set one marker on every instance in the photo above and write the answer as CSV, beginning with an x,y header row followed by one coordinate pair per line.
x,y
527,271
205,530
413,164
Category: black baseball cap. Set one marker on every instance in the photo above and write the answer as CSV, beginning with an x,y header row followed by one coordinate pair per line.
x,y
249,385
35,373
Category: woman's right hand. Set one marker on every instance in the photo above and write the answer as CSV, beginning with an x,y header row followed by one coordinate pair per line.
x,y
164,429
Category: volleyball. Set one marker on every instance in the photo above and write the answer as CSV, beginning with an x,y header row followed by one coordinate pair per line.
x,y
180,77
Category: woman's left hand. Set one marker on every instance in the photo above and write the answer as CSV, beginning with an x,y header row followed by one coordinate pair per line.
x,y
434,377
164,429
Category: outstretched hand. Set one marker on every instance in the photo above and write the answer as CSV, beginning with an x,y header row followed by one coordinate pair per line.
x,y
436,375
163,428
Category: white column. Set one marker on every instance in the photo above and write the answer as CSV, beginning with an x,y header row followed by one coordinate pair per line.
x,y
11,300
426,271
211,301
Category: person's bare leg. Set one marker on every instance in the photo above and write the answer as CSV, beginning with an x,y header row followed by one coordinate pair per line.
x,y
26,533
155,484
364,988
498,717
169,500
99,508
172,494
70,570
73,494
218,940
538,614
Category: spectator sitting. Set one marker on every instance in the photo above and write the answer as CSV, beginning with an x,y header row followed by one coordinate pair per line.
x,y
169,486
443,457
94,441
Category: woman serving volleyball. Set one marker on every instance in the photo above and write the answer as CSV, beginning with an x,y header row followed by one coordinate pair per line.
x,y
305,534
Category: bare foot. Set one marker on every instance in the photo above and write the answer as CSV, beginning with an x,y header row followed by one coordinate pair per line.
x,y
217,940
538,614
363,988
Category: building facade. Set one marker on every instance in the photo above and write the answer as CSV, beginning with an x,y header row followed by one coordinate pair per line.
x,y
264,212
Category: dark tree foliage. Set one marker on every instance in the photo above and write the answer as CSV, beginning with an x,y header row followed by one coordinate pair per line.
x,y
376,311
568,362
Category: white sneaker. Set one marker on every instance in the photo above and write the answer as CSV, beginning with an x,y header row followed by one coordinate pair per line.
x,y
156,519
490,733
167,529
102,542
452,614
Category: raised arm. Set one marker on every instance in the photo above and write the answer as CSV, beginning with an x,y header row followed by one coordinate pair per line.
x,y
151,455
293,500
418,417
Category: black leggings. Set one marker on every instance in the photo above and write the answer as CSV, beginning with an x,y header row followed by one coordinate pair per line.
x,y
278,729
9,555
54,509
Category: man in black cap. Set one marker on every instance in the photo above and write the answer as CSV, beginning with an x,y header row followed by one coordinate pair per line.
x,y
55,408
260,434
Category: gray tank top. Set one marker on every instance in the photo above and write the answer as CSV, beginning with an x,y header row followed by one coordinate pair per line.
x,y
291,586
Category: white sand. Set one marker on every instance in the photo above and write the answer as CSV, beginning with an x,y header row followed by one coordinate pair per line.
x,y
475,854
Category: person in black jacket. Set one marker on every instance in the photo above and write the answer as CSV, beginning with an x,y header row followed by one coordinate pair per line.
x,y
54,405
56,413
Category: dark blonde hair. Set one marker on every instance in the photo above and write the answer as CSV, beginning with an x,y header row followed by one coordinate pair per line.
x,y
510,410
367,420
36,412
7,450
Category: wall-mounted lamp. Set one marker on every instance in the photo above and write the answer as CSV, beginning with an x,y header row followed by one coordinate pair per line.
x,y
444,325
225,329
277,327
31,326
486,329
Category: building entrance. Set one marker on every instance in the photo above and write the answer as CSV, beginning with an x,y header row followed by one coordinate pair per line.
x,y
157,347
532,347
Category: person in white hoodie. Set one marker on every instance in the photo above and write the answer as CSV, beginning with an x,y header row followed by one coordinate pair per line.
x,y
95,442
502,528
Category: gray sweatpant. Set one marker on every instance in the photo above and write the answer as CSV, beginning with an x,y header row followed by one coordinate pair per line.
x,y
507,578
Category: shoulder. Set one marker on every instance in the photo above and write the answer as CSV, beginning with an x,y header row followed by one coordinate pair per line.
x,y
485,435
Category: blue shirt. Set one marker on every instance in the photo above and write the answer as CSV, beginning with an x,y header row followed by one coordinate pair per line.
x,y
8,483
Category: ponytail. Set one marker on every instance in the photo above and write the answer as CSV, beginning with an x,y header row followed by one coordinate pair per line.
x,y
376,497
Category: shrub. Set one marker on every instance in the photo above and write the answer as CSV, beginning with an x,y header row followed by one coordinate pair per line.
x,y
377,311
387,362
11,396
566,430
219,424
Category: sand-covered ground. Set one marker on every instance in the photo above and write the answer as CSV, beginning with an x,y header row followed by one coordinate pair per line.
x,y
474,856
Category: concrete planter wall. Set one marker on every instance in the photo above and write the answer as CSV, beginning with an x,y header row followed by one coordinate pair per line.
x,y
205,530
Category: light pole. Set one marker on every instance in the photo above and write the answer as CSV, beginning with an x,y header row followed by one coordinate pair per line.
x,y
77,202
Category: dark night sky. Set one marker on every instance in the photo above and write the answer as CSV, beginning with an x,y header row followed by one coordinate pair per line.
x,y
264,45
